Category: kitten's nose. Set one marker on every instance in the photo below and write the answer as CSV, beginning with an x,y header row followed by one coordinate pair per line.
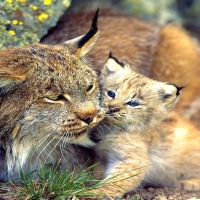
x,y
113,109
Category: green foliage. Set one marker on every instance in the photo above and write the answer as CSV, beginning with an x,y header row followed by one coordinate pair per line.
x,y
24,22
160,11
52,184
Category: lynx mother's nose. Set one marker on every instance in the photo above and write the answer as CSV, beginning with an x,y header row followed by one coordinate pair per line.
x,y
88,117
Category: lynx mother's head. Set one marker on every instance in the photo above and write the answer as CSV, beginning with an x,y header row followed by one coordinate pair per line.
x,y
49,90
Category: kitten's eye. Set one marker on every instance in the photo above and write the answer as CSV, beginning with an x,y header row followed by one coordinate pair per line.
x,y
55,97
111,94
133,103
90,88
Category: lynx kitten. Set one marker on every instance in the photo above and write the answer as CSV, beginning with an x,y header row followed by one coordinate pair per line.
x,y
136,106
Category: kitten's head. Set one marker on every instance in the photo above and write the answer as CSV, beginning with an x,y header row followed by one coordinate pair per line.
x,y
131,98
49,91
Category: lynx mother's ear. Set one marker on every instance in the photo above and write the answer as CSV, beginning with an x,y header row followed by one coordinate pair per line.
x,y
81,45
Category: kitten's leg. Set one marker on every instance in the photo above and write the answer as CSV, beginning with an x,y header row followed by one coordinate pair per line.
x,y
189,184
124,157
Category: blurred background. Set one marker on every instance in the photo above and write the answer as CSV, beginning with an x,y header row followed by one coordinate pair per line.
x,y
24,22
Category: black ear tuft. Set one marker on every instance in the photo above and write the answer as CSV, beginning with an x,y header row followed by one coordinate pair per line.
x,y
93,30
122,64
110,54
178,88
94,27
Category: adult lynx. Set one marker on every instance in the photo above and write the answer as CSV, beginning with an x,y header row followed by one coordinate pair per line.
x,y
49,98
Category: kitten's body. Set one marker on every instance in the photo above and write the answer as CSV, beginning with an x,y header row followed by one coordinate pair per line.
x,y
174,154
165,53
49,98
136,106
166,156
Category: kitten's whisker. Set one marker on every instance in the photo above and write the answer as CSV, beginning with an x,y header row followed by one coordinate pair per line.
x,y
117,127
102,133
108,128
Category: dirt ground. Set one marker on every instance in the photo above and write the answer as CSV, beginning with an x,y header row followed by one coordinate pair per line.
x,y
165,194
9,193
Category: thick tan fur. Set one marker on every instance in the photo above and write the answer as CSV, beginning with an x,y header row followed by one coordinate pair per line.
x,y
166,53
49,98
136,106
174,153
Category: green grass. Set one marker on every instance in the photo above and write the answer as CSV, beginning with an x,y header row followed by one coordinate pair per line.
x,y
52,184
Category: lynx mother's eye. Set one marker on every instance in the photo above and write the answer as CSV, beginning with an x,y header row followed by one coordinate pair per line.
x,y
90,88
55,97
111,94
133,103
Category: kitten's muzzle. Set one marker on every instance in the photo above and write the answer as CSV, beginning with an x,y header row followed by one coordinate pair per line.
x,y
112,109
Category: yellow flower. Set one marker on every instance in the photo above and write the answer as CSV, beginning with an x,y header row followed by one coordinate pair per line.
x,y
14,21
43,16
34,7
9,1
21,1
12,32
47,2
20,23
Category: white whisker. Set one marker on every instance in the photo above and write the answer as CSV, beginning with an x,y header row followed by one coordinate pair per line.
x,y
44,148
43,139
53,148
108,128
62,147
116,127
99,131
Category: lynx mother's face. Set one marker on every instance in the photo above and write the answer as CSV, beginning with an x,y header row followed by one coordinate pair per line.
x,y
50,91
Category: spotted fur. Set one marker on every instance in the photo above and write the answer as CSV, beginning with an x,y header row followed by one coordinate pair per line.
x,y
135,106
49,98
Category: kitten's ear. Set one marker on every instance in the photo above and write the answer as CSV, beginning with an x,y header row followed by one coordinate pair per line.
x,y
169,94
112,65
80,46
8,79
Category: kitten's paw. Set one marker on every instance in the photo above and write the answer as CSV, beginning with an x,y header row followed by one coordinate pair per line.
x,y
189,185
